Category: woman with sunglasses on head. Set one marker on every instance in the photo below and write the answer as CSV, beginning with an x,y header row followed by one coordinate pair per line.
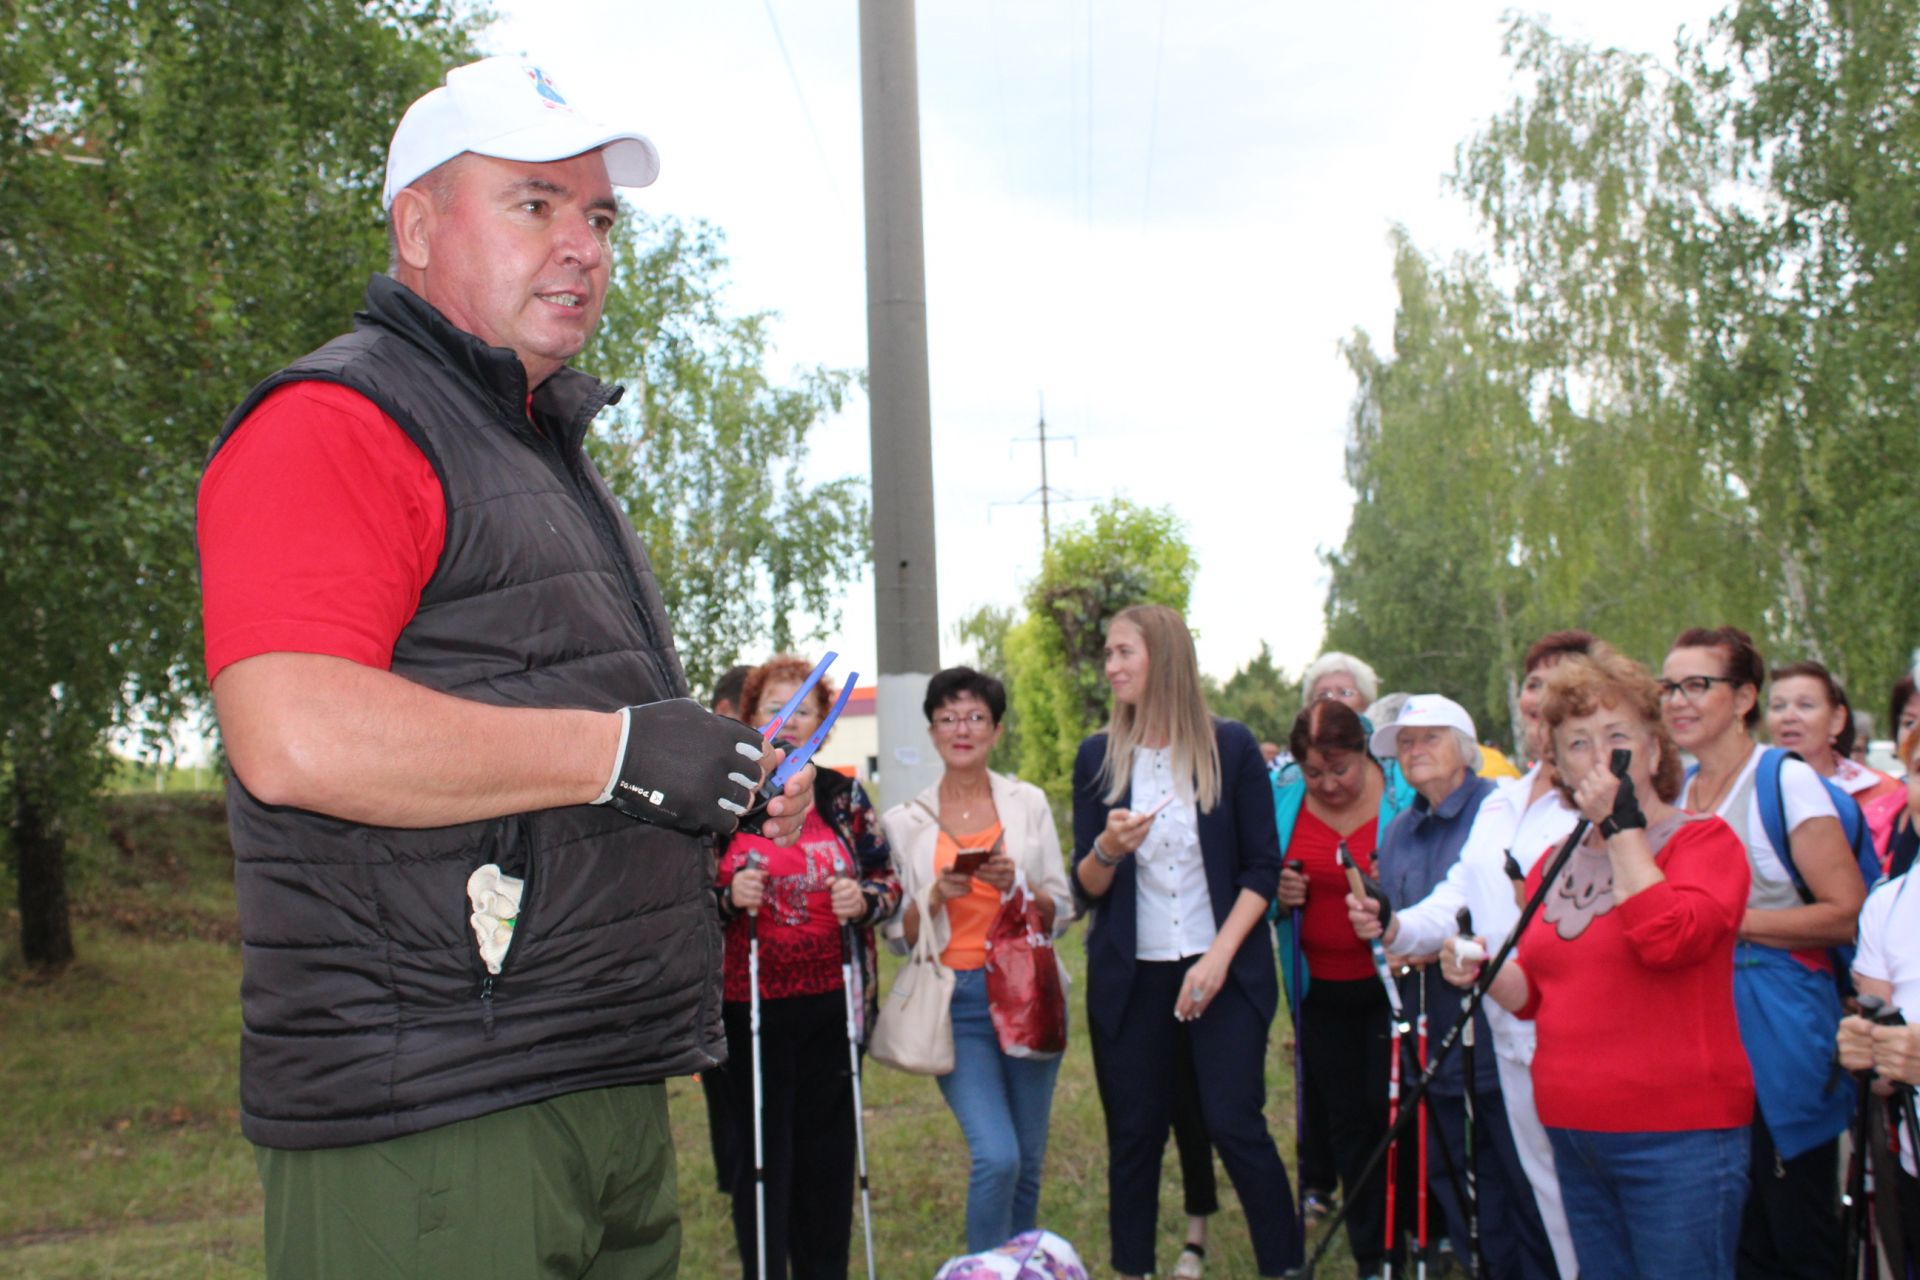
x,y
1177,859
839,872
1784,980
1339,794
1352,682
1002,1101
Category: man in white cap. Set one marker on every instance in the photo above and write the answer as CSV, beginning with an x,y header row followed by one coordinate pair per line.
x,y
471,803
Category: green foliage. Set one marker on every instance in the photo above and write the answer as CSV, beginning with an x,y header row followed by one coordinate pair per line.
x,y
1669,397
708,454
187,199
1123,554
1261,696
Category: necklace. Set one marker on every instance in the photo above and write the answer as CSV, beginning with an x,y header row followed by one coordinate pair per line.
x,y
964,806
1698,794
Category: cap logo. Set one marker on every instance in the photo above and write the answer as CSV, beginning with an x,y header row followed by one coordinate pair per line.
x,y
544,87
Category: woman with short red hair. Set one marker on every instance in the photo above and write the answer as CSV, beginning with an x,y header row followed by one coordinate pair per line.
x,y
1627,973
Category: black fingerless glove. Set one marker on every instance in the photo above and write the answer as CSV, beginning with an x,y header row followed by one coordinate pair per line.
x,y
1379,895
681,766
1626,813
755,817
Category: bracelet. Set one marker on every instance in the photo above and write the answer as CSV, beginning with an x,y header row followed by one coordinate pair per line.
x,y
1100,855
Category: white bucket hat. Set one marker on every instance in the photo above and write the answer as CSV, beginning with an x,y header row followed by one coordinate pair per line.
x,y
508,108
1422,710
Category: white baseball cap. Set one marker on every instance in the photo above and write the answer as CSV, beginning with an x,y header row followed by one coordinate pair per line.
x,y
1419,711
508,108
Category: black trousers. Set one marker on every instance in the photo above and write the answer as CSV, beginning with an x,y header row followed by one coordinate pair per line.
x,y
720,1135
807,1111
1791,1228
1198,1187
1134,1065
1512,1237
1344,1046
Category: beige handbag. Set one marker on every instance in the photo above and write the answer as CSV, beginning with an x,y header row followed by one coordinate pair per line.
x,y
915,1030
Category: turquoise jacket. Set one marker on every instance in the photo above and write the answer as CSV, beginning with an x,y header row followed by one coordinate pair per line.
x,y
1289,793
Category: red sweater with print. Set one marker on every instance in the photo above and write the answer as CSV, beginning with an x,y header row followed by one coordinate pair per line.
x,y
800,944
1637,1030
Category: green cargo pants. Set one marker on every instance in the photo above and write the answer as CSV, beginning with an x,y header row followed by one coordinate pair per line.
x,y
580,1186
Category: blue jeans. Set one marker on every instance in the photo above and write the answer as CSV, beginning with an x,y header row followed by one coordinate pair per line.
x,y
1002,1104
1653,1206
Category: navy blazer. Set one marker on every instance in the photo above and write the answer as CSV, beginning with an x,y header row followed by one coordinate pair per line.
x,y
1239,848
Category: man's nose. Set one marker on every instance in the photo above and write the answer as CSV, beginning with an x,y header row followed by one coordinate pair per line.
x,y
580,244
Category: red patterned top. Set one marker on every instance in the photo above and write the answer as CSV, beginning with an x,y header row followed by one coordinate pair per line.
x,y
800,945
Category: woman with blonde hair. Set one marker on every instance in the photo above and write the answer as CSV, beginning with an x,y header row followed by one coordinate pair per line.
x,y
1177,858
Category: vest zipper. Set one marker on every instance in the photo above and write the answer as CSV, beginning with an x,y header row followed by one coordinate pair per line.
x,y
518,945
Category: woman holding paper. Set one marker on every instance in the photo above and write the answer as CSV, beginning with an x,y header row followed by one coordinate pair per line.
x,y
1177,858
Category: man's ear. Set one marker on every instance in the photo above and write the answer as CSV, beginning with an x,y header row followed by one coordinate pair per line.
x,y
413,215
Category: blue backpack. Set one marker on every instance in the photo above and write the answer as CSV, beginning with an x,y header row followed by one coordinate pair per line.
x,y
1773,817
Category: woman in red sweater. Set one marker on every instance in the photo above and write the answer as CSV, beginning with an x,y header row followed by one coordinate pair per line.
x,y
1340,795
1627,973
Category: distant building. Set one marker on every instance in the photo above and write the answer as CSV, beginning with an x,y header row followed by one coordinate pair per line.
x,y
854,745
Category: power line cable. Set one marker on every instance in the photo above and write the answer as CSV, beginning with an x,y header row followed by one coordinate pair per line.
x,y
793,76
1153,116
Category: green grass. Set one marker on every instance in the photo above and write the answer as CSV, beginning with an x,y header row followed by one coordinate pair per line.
x,y
120,1076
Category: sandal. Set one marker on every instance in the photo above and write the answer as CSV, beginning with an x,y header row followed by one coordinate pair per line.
x,y
1193,1262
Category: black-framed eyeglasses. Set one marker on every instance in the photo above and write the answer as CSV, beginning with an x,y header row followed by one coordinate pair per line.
x,y
1692,688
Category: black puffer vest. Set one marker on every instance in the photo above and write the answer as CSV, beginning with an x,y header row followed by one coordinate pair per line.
x,y
368,1013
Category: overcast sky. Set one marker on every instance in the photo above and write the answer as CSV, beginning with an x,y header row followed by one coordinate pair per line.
x,y
1163,217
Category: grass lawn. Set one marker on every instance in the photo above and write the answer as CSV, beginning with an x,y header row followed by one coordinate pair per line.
x,y
120,1076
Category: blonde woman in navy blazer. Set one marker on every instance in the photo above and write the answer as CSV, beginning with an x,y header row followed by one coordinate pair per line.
x,y
1176,858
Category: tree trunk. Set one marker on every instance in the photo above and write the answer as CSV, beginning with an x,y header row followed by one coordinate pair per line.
x,y
40,848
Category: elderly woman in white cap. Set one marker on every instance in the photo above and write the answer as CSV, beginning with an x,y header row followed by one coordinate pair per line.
x,y
1454,810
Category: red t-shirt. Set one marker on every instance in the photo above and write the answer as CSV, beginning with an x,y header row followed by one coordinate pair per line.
x,y
1326,935
800,945
319,522
1637,1029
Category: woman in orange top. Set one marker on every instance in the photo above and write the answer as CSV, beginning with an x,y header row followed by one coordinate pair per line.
x,y
1005,827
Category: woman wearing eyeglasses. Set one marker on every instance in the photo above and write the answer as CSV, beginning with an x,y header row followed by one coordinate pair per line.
x,y
1177,858
1002,1102
1784,984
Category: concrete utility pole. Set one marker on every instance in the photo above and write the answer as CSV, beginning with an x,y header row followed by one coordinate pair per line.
x,y
906,611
